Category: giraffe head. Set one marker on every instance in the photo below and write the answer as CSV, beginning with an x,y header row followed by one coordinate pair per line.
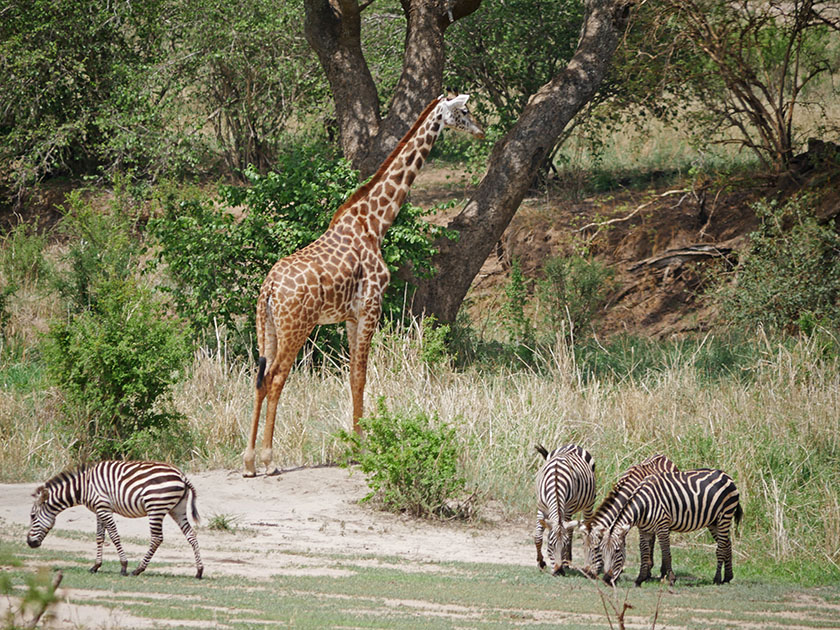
x,y
457,116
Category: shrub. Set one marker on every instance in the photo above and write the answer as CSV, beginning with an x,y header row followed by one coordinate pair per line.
x,y
516,322
115,363
411,462
101,247
218,263
571,291
22,255
790,278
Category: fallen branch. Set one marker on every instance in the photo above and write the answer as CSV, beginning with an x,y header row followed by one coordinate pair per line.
x,y
682,255
601,224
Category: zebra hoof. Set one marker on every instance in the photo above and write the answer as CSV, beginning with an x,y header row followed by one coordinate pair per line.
x,y
559,571
137,571
94,568
199,573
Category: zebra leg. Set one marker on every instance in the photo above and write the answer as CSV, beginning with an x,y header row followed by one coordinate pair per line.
x,y
645,556
664,537
538,538
156,528
107,517
179,515
723,553
100,541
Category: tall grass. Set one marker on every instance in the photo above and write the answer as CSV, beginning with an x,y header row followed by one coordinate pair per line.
x,y
776,432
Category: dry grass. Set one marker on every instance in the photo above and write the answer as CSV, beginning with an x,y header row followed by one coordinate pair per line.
x,y
777,434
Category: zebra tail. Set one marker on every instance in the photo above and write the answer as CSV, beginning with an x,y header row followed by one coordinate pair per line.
x,y
739,513
261,373
541,450
193,499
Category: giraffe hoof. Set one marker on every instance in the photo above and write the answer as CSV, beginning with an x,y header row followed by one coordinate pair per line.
x,y
249,474
274,473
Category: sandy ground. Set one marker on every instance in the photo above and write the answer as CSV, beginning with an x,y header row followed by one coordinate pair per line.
x,y
276,518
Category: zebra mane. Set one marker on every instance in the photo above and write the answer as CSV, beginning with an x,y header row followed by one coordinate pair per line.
x,y
66,475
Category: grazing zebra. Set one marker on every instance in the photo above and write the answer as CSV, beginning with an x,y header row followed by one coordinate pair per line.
x,y
565,485
594,528
680,502
131,489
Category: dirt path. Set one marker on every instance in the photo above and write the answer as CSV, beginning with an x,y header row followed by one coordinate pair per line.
x,y
275,519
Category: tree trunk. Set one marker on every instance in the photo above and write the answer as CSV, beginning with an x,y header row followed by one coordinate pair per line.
x,y
516,158
333,29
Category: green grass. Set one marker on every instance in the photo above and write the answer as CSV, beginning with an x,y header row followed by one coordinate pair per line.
x,y
466,595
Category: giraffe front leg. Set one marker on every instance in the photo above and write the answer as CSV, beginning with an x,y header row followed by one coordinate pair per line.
x,y
156,528
359,335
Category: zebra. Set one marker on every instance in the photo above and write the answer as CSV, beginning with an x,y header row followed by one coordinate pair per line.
x,y
565,485
678,501
129,488
593,529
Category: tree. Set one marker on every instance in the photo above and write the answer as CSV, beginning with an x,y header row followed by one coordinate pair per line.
x,y
333,30
516,158
749,66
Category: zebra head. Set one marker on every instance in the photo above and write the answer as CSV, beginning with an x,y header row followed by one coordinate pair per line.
x,y
592,536
559,534
612,548
41,518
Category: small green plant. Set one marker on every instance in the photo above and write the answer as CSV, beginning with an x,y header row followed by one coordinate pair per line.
x,y
789,281
571,292
411,462
222,523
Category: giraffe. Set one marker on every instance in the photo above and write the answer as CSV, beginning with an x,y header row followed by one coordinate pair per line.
x,y
341,276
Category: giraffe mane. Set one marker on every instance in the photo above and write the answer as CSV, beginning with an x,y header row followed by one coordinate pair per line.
x,y
365,188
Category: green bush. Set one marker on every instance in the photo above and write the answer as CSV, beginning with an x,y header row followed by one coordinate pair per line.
x,y
790,278
218,263
114,363
22,259
411,462
571,292
101,248
516,323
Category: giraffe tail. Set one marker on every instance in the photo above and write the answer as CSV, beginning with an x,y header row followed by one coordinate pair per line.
x,y
261,373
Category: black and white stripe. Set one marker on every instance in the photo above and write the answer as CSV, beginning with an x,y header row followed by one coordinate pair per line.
x,y
594,528
680,502
565,485
128,488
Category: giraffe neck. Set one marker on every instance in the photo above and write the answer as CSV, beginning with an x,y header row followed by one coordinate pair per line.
x,y
376,204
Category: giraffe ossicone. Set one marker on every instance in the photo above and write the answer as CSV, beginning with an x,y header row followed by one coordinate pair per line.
x,y
341,276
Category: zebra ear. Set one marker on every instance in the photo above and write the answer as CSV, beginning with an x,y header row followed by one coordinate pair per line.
x,y
39,494
544,523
